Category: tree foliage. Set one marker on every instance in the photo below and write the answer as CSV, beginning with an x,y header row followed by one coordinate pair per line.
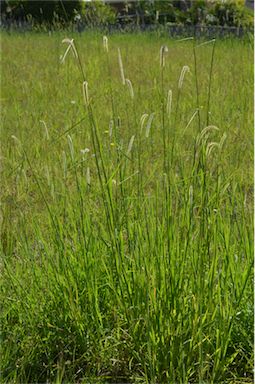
x,y
41,10
96,13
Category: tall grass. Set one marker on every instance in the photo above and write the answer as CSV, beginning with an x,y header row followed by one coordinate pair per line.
x,y
126,236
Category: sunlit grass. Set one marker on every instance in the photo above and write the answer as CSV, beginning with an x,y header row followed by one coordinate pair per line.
x,y
126,219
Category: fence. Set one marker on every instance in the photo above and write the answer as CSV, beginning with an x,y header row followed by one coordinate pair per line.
x,y
207,31
176,30
173,30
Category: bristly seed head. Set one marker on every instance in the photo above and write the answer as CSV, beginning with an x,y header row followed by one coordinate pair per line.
x,y
190,121
105,43
163,51
169,102
47,136
121,68
85,93
148,126
210,147
142,120
205,132
130,145
185,69
71,45
130,87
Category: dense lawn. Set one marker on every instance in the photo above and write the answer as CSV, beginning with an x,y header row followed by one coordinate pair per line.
x,y
126,215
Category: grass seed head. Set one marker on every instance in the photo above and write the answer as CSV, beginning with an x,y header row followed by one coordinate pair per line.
x,y
142,120
121,68
105,43
213,145
205,43
185,39
204,133
71,45
162,53
190,120
63,57
130,145
210,147
85,93
148,126
46,135
169,102
130,87
185,69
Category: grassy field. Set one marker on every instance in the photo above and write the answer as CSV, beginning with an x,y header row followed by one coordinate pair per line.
x,y
126,210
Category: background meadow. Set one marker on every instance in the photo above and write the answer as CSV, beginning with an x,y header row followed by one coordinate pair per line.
x,y
126,221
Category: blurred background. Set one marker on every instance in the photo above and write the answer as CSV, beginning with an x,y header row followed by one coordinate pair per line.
x,y
200,16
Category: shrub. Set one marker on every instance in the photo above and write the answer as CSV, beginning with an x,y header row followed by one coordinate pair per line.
x,y
232,14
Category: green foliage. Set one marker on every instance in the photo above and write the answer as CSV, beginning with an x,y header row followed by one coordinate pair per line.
x,y
232,14
96,13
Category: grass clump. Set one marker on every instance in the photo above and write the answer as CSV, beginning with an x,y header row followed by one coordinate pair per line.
x,y
127,246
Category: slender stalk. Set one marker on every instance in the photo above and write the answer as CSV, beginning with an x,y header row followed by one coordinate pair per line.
x,y
210,84
197,87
